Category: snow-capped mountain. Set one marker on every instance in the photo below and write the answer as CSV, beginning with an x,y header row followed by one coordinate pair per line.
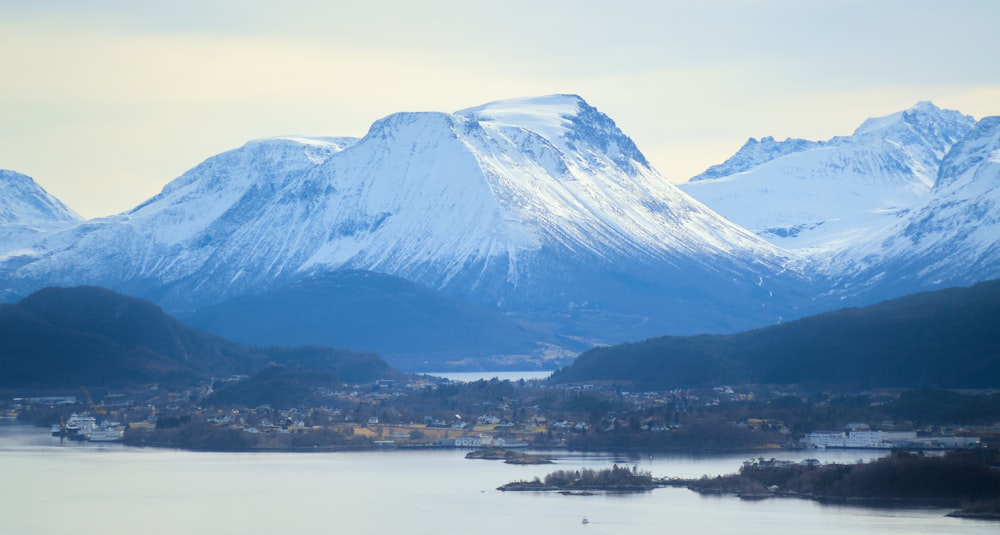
x,y
539,207
24,202
823,197
537,219
953,238
756,152
27,211
139,251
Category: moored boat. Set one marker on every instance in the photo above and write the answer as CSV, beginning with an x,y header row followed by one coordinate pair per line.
x,y
107,433
77,427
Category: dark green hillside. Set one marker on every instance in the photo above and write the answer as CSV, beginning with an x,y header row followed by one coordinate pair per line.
x,y
277,386
66,337
948,338
965,479
342,365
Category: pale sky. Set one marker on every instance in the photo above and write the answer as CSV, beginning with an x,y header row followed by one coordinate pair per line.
x,y
104,102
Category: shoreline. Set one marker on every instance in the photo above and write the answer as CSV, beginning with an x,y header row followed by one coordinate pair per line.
x,y
966,482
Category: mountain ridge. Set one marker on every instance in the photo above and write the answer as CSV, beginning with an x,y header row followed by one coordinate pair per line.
x,y
823,197
945,338
540,208
952,239
27,203
542,211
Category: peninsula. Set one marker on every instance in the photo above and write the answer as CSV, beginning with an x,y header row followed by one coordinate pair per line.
x,y
964,480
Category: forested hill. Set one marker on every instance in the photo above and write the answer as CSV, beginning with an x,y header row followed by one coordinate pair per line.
x,y
947,338
65,337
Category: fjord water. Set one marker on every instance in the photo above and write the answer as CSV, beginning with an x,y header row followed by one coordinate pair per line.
x,y
470,377
50,487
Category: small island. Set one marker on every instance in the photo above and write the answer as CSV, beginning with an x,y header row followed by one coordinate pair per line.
x,y
507,456
584,482
965,480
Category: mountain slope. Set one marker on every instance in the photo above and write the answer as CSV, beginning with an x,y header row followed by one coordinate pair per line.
x,y
754,153
952,239
27,212
90,335
541,208
174,232
472,203
24,202
65,337
946,338
406,323
826,196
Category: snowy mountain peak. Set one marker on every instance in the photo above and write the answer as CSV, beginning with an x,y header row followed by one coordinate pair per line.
x,y
268,158
315,149
241,179
544,210
754,153
287,153
824,196
386,128
563,120
934,128
24,202
923,111
531,206
548,116
949,239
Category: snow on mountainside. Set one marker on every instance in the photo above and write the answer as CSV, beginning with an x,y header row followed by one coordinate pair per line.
x,y
27,212
147,247
536,206
822,197
522,177
953,238
543,216
24,202
754,153
192,202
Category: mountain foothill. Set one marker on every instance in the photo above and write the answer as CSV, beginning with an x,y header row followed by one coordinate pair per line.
x,y
945,339
62,338
518,234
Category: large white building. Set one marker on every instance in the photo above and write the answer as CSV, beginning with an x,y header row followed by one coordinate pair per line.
x,y
869,439
859,439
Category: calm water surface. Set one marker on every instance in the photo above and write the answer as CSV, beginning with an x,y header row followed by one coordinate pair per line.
x,y
468,377
50,487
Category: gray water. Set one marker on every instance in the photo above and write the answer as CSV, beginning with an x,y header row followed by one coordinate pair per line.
x,y
49,487
468,377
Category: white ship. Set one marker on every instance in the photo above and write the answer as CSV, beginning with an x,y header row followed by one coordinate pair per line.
x,y
107,433
79,427
82,427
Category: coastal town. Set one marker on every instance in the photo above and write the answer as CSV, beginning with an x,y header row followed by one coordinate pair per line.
x,y
427,411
